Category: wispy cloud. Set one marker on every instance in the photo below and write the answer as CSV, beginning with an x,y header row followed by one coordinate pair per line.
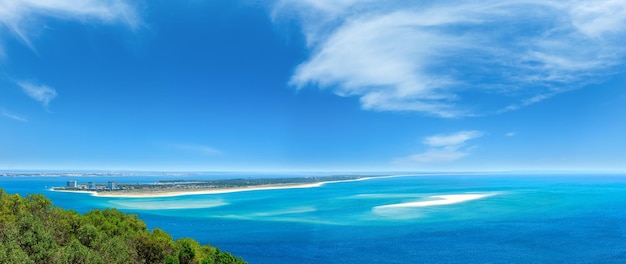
x,y
440,57
455,139
444,148
21,17
196,148
39,92
13,116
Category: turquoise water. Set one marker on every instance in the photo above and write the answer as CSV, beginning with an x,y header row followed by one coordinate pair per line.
x,y
420,219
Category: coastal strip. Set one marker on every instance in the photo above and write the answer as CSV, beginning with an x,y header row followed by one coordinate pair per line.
x,y
183,188
173,193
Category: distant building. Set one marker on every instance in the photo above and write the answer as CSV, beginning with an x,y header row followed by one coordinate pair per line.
x,y
71,184
91,186
111,185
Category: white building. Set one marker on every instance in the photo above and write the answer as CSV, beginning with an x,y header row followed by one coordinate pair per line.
x,y
71,184
111,185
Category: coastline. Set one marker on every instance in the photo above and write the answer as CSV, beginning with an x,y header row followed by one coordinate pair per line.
x,y
171,192
174,193
92,193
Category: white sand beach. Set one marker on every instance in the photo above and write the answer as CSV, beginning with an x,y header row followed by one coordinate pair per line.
x,y
172,193
69,191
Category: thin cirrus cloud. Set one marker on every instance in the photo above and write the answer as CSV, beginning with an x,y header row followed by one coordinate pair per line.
x,y
13,116
444,58
41,93
21,18
444,148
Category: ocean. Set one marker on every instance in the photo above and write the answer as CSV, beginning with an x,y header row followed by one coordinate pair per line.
x,y
448,218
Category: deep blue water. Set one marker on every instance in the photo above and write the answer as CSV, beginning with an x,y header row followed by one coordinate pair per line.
x,y
518,218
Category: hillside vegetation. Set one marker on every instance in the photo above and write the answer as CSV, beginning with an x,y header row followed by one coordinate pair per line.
x,y
32,230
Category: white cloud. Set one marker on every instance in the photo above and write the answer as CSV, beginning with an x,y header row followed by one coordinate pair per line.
x,y
599,18
455,139
329,8
444,148
39,92
510,134
438,57
21,17
316,16
195,148
13,116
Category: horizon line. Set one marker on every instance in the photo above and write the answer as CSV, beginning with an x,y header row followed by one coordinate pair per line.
x,y
287,171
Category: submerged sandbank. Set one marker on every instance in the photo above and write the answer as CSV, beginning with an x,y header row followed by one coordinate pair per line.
x,y
440,200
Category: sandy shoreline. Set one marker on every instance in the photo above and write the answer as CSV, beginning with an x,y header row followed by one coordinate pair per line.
x,y
154,193
67,191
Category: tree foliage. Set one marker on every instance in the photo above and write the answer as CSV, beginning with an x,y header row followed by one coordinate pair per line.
x,y
32,230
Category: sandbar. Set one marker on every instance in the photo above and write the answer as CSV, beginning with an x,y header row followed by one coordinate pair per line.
x,y
440,200
183,188
172,193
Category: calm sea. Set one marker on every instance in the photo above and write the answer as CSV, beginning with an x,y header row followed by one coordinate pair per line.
x,y
415,219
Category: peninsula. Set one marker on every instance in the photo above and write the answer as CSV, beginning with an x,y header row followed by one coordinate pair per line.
x,y
191,187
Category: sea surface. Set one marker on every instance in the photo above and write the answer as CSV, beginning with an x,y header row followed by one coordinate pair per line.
x,y
473,218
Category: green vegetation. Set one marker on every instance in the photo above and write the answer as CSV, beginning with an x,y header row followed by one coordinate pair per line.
x,y
32,230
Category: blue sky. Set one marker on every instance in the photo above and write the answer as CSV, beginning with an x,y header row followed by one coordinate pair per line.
x,y
313,85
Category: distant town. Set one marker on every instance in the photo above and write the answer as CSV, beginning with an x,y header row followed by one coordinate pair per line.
x,y
91,186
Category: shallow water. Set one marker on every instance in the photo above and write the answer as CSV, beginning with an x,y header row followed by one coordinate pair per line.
x,y
433,219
